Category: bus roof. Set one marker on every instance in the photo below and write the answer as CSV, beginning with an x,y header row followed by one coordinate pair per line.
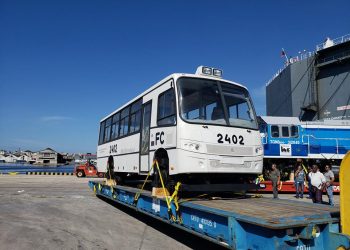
x,y
175,76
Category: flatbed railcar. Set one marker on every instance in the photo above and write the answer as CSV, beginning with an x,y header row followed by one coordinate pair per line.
x,y
247,223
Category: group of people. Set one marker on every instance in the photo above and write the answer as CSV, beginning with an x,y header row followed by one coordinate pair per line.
x,y
317,182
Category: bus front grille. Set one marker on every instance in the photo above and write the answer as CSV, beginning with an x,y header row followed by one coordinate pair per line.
x,y
230,150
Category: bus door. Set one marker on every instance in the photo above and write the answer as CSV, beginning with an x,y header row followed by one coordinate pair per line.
x,y
145,137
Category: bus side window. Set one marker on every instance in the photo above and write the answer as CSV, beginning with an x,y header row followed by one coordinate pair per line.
x,y
115,126
108,130
285,131
166,108
294,132
275,131
102,133
135,116
124,121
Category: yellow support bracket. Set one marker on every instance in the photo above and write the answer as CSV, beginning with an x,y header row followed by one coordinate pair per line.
x,y
167,199
174,196
344,183
137,195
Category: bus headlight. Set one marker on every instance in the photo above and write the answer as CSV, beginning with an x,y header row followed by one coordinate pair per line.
x,y
192,146
259,150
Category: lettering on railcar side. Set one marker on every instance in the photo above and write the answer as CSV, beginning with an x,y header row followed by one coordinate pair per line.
x,y
203,221
303,247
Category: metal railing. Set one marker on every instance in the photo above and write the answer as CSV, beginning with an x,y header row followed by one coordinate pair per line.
x,y
335,41
330,139
300,57
304,55
277,74
335,57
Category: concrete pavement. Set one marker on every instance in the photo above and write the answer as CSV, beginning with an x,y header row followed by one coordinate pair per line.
x,y
61,212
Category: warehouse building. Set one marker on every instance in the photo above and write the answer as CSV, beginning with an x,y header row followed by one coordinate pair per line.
x,y
47,156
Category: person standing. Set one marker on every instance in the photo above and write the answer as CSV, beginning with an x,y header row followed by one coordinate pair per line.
x,y
318,182
309,169
299,182
275,177
329,175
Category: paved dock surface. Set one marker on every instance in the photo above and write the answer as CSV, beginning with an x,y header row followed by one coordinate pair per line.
x,y
61,212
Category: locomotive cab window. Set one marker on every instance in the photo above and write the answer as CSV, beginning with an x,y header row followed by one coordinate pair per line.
x,y
294,132
263,128
285,131
275,131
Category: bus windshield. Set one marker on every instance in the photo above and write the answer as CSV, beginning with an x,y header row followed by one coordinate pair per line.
x,y
215,102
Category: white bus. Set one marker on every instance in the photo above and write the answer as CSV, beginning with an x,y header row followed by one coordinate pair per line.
x,y
199,126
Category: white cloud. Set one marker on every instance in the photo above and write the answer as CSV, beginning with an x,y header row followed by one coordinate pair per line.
x,y
55,118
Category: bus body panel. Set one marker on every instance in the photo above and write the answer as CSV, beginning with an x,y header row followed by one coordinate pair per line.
x,y
190,162
163,137
125,152
217,149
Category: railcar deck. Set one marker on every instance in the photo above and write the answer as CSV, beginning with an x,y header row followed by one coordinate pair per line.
x,y
274,213
267,212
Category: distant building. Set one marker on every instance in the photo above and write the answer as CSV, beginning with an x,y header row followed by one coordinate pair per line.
x,y
9,158
2,157
67,158
46,156
30,155
314,85
27,156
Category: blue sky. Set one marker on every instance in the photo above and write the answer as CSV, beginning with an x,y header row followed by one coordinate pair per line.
x,y
66,64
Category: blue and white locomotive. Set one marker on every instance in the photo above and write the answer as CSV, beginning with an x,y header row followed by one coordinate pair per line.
x,y
290,138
